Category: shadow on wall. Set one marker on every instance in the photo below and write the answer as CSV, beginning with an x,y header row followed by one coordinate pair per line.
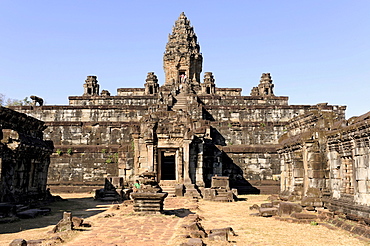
x,y
235,173
218,162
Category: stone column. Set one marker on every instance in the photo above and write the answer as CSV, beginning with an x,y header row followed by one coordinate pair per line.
x,y
199,171
186,161
135,143
150,156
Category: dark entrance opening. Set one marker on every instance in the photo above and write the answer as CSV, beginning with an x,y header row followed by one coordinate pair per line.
x,y
168,166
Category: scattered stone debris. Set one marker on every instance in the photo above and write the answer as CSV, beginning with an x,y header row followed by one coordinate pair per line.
x,y
195,230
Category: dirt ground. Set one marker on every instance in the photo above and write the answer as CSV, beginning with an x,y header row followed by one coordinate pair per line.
x,y
166,229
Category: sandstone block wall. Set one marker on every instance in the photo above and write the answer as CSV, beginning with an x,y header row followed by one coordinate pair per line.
x,y
24,157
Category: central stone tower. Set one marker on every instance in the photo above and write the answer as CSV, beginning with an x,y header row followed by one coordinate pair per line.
x,y
182,61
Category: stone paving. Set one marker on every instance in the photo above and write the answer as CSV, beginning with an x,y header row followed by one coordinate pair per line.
x,y
127,228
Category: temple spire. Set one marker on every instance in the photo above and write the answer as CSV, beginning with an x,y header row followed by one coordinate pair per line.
x,y
182,61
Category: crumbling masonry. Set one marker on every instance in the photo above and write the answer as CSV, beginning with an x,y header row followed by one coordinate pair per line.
x,y
325,161
24,158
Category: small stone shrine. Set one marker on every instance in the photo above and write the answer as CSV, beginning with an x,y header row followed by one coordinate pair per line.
x,y
149,198
220,190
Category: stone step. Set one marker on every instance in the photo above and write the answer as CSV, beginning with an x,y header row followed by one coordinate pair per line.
x,y
170,190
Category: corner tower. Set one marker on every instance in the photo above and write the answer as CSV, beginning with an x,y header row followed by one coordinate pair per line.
x,y
182,59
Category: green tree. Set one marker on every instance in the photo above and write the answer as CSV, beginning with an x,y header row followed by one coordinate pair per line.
x,y
13,102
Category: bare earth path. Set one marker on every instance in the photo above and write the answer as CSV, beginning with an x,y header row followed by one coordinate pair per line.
x,y
122,227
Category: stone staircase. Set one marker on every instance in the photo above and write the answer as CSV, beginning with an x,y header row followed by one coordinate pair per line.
x,y
181,102
170,190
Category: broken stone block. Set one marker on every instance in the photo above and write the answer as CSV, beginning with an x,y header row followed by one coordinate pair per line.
x,y
18,242
287,208
273,198
275,203
254,206
77,222
311,202
314,192
193,242
267,205
64,224
267,212
35,242
196,230
219,236
304,216
198,234
194,227
228,230
310,208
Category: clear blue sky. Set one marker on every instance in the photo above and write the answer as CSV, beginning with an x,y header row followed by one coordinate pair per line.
x,y
316,51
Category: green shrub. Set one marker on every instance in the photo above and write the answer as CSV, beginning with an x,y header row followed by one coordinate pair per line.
x,y
69,151
313,223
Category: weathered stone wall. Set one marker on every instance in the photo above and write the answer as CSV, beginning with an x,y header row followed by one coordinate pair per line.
x,y
349,160
24,157
105,126
325,160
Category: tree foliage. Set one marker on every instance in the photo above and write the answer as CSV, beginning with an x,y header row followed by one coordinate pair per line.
x,y
13,102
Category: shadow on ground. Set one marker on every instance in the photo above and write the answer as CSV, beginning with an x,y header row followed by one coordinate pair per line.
x,y
80,207
181,212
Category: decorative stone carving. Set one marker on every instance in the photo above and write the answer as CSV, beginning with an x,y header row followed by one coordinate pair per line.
x,y
91,86
265,88
151,85
208,86
182,60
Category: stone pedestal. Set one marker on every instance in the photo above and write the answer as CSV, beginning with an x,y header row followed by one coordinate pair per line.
x,y
219,191
148,203
191,191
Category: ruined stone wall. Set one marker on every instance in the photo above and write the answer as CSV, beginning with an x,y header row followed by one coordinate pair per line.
x,y
349,160
24,157
104,126
302,152
325,160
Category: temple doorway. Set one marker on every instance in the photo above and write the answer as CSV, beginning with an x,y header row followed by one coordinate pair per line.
x,y
168,165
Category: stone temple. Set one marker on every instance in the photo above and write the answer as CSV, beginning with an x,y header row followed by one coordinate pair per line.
x,y
184,129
